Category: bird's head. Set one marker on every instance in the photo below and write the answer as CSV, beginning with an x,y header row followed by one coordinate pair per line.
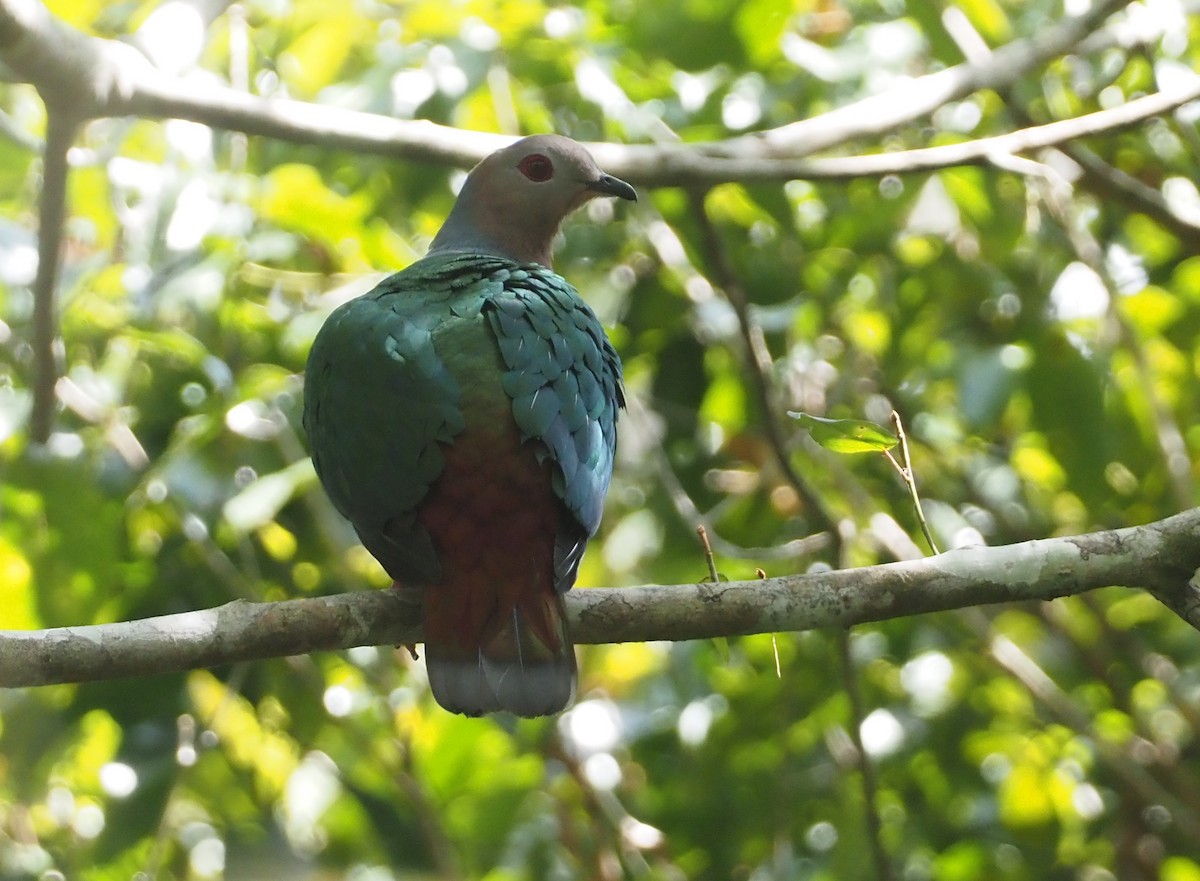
x,y
514,201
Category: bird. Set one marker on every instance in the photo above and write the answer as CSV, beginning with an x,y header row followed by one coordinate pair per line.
x,y
462,416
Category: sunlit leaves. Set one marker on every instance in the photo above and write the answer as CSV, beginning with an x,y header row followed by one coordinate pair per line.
x,y
725,400
296,198
761,24
315,57
869,330
1180,868
1152,310
251,742
16,580
1156,245
990,18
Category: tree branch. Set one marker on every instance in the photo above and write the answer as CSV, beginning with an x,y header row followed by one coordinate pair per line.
x,y
1112,183
920,96
1161,557
758,362
52,215
1098,175
96,77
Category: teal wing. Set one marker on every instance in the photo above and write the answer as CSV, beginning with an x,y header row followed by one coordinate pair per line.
x,y
379,403
564,378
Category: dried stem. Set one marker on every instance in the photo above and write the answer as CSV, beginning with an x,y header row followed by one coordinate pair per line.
x,y
713,575
904,468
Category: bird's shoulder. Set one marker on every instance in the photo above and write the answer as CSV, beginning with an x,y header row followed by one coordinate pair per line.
x,y
461,283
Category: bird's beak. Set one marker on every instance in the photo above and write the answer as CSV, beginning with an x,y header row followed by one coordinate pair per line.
x,y
608,185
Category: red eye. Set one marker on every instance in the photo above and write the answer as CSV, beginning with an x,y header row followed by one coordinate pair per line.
x,y
537,168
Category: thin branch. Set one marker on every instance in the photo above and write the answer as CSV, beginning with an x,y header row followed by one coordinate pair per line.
x,y
1160,556
1057,194
904,468
759,362
760,367
1109,654
444,854
1112,183
52,212
918,97
1042,686
1098,175
978,151
870,782
98,77
689,512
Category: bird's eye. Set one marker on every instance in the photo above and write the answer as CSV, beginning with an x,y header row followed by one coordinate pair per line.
x,y
537,168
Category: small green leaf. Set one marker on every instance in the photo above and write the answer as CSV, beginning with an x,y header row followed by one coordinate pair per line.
x,y
847,435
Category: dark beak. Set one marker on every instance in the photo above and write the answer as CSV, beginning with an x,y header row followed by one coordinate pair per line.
x,y
613,186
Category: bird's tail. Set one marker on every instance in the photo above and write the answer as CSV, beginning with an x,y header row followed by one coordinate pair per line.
x,y
520,661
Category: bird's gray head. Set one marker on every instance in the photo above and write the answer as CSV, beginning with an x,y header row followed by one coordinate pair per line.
x,y
514,201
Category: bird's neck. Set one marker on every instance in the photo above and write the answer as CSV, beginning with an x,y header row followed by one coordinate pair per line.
x,y
483,222
512,247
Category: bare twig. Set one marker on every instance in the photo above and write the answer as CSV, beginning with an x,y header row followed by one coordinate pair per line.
x,y
713,575
904,468
760,362
762,576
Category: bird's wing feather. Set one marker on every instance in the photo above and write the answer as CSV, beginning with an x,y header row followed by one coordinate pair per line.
x,y
564,378
560,372
380,402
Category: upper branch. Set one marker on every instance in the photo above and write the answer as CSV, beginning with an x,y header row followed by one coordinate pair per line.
x,y
1161,556
96,77
922,95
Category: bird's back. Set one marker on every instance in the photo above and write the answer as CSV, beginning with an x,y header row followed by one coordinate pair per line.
x,y
462,417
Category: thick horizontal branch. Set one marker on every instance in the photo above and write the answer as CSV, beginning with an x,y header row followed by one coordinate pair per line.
x,y
1161,557
88,77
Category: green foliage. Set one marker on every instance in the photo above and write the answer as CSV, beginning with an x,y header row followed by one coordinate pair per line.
x,y
847,435
1040,397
